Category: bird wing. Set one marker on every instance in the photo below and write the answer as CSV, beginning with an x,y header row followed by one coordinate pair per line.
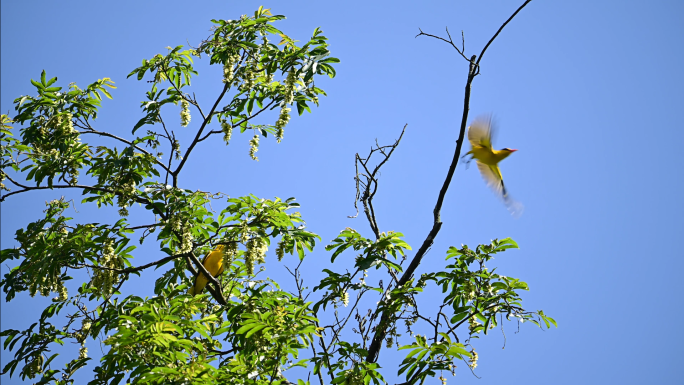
x,y
480,131
493,178
213,262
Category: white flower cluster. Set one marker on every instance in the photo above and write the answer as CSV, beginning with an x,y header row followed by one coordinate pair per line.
x,y
290,82
35,366
229,253
345,298
256,253
254,147
82,352
282,121
248,78
57,129
123,200
63,292
65,123
104,279
473,359
47,285
185,113
227,129
186,240
228,68
472,324
85,330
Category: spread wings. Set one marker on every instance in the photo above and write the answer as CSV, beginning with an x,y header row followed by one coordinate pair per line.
x,y
480,131
492,176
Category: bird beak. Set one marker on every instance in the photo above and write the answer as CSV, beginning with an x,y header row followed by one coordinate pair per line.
x,y
513,150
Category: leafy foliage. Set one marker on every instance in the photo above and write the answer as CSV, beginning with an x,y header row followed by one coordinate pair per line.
x,y
246,329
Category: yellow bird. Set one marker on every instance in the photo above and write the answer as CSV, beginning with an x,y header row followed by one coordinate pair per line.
x,y
213,262
487,159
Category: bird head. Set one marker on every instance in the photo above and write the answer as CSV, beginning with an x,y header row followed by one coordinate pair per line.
x,y
505,152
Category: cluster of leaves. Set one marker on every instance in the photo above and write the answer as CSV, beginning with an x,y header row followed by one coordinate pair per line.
x,y
482,294
50,144
246,329
473,293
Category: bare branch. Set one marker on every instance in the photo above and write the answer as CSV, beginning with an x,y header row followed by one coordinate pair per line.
x,y
370,185
499,31
450,41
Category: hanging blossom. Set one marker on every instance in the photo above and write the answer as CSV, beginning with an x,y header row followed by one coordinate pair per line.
x,y
185,113
229,253
472,324
248,77
280,250
187,238
256,253
227,129
63,292
345,298
125,198
35,366
105,279
81,337
290,82
282,121
473,359
228,68
254,147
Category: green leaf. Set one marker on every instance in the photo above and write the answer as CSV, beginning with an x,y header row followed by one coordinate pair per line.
x,y
38,85
506,243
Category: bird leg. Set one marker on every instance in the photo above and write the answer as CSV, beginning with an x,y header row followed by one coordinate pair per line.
x,y
467,162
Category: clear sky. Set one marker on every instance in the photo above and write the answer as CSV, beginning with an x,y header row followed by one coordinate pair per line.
x,y
589,92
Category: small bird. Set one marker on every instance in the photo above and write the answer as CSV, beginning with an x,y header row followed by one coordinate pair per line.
x,y
487,158
213,262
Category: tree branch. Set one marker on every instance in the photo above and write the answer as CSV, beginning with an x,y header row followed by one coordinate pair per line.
x,y
381,329
93,131
199,134
499,31
238,123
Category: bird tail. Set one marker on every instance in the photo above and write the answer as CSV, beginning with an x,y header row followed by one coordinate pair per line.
x,y
514,207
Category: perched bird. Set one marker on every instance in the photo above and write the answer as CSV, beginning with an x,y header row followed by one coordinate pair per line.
x,y
487,159
213,262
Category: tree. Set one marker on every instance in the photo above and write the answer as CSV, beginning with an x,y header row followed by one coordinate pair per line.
x,y
246,329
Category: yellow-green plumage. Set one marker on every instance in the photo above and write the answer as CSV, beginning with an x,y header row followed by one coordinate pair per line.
x,y
213,262
487,159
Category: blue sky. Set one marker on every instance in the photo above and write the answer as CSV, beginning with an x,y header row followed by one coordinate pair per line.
x,y
589,92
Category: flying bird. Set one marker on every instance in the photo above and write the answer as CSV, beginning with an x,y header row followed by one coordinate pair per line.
x,y
213,262
487,159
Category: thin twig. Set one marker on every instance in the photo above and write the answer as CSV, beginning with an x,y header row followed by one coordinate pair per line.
x,y
499,31
93,131
199,135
